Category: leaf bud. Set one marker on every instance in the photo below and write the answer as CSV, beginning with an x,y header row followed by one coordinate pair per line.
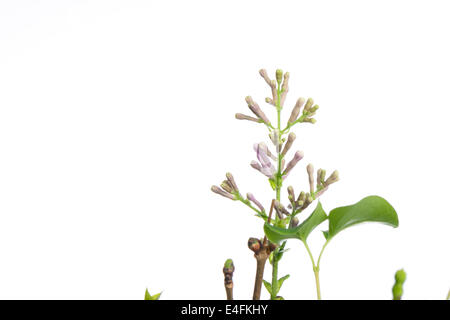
x,y
254,245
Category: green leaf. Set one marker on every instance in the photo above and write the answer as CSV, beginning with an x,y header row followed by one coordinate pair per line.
x,y
281,280
156,296
317,217
277,234
147,295
272,183
369,209
268,286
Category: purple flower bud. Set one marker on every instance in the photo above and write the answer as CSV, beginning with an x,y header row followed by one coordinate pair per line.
x,y
285,89
252,198
266,149
263,74
291,164
310,170
241,116
217,190
287,146
296,110
232,182
254,107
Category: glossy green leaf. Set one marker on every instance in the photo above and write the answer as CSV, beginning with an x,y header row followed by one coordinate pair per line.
x,y
268,286
276,234
317,217
369,209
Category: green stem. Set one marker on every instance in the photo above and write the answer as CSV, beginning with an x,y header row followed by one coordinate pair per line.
x,y
316,267
279,182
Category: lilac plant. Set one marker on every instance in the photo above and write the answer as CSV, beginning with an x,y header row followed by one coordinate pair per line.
x,y
282,222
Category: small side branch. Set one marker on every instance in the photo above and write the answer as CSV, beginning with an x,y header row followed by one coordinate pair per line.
x,y
262,250
228,270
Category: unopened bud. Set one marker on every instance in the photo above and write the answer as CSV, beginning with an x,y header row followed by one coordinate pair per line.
x,y
290,141
275,137
296,111
284,89
301,197
291,193
226,186
308,105
254,245
291,164
263,74
252,198
334,177
241,116
310,170
310,120
314,108
217,190
232,182
254,107
294,222
279,75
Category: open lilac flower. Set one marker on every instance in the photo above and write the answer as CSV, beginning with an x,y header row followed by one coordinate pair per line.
x,y
265,165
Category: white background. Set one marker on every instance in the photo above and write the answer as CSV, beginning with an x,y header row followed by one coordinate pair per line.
x,y
116,117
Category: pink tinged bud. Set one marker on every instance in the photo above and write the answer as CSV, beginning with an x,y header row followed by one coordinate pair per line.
x,y
296,111
288,144
241,116
285,89
291,164
255,147
276,206
263,74
254,107
310,170
252,198
217,190
275,137
334,177
255,165
232,182
283,163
